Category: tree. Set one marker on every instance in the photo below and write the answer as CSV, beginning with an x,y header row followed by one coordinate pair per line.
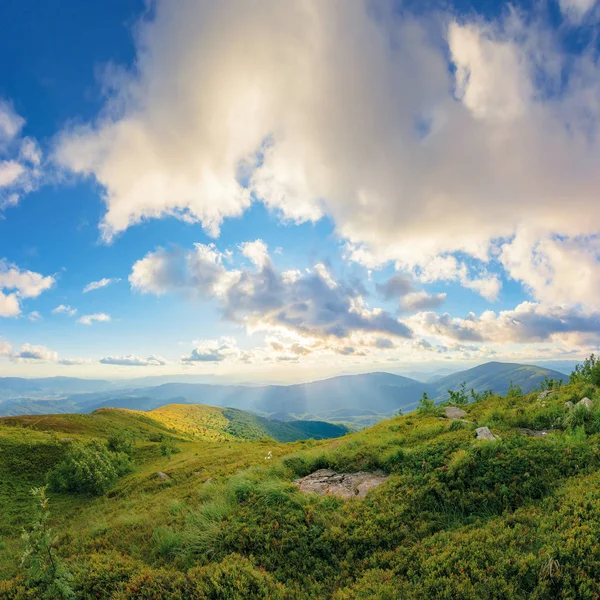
x,y
459,396
45,573
587,372
514,391
426,405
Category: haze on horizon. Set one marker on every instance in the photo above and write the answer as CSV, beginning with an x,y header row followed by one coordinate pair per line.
x,y
286,191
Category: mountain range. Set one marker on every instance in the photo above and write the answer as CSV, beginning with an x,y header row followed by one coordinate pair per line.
x,y
360,399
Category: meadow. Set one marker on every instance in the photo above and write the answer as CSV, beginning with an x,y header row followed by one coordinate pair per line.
x,y
181,516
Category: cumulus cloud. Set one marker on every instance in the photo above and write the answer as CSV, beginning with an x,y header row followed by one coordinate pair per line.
x,y
395,287
70,362
29,352
312,304
528,322
96,285
16,285
94,318
20,158
134,361
417,301
213,351
456,135
64,309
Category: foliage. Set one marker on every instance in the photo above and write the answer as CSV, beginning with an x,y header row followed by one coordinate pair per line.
x,y
45,572
457,518
426,405
121,441
481,396
168,448
514,391
587,372
459,397
89,468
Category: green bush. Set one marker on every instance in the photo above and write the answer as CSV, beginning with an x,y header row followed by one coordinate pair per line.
x,y
89,468
121,441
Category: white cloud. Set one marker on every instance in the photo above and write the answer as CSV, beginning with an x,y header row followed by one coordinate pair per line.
x,y
20,158
96,285
213,351
421,163
416,301
29,352
256,252
34,316
19,285
94,318
70,362
528,322
576,10
134,361
312,304
63,309
5,348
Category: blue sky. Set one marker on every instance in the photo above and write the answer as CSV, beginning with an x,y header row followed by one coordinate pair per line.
x,y
409,186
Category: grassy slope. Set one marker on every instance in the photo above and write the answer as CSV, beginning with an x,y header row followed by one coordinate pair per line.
x,y
496,376
458,518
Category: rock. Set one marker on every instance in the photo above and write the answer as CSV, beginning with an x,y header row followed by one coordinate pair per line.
x,y
345,485
484,433
585,402
534,433
162,475
453,412
569,405
545,394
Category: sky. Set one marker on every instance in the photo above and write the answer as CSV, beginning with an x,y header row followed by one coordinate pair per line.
x,y
264,190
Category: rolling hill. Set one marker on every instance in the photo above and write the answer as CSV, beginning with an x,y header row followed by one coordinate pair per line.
x,y
185,421
360,399
454,516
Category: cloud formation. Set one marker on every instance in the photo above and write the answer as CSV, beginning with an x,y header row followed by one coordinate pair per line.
x,y
20,158
96,285
94,318
213,351
30,352
422,137
63,309
310,303
134,361
16,285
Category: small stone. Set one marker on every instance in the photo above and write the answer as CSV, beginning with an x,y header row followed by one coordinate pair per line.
x,y
453,412
545,394
585,402
484,433
162,475
569,405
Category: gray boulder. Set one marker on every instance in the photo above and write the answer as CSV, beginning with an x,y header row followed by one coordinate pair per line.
x,y
345,485
162,475
484,433
585,402
545,394
569,405
453,412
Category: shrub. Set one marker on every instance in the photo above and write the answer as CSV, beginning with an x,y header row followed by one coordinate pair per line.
x,y
89,468
514,391
168,448
587,372
426,405
459,397
45,573
121,441
167,542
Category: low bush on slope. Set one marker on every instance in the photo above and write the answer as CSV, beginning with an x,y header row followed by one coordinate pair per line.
x,y
459,517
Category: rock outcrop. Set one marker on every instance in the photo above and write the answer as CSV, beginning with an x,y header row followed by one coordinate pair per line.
x,y
346,485
162,475
569,405
453,412
546,393
585,402
484,433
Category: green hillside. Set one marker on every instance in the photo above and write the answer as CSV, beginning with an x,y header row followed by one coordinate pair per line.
x,y
496,376
458,517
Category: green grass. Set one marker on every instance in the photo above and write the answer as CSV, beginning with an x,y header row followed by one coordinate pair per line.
x,y
457,518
